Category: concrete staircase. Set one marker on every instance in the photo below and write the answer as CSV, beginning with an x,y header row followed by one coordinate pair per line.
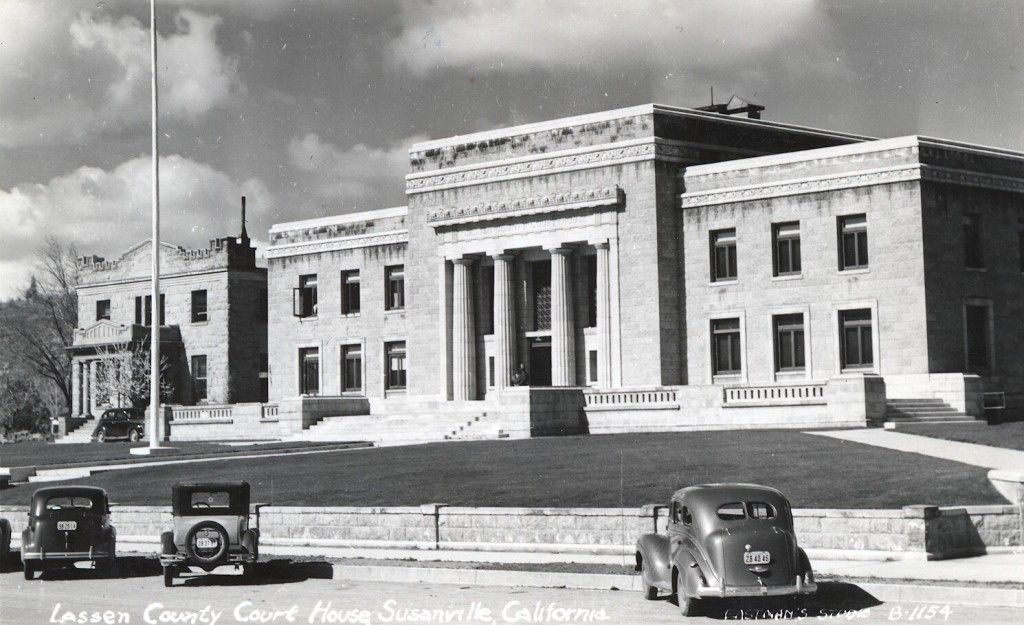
x,y
903,412
82,433
406,428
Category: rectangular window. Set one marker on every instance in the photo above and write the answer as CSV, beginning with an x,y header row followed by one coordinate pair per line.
x,y
541,272
486,315
309,371
976,319
304,297
723,255
1020,244
855,339
490,371
853,242
103,309
144,310
351,368
199,306
974,257
726,346
394,277
786,245
592,362
350,292
591,265
264,378
789,342
199,378
395,355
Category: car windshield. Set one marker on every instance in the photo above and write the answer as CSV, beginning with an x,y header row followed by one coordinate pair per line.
x,y
740,510
65,502
202,500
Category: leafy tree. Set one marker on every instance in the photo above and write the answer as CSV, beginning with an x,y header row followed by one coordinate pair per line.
x,y
22,405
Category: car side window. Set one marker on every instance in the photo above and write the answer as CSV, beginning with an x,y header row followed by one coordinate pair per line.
x,y
686,517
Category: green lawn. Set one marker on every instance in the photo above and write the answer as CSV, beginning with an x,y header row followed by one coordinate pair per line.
x,y
585,471
40,454
1005,435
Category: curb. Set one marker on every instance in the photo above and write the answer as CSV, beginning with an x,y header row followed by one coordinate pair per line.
x,y
910,593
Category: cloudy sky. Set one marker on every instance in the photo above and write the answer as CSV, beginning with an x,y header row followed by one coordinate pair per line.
x,y
308,107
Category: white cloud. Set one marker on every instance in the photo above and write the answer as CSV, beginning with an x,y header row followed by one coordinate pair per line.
x,y
106,212
360,176
69,77
600,35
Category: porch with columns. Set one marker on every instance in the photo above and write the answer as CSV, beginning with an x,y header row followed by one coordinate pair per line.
x,y
493,317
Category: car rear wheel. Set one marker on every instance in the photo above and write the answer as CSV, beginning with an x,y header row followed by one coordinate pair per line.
x,y
133,436
249,572
687,604
206,543
30,570
101,436
169,574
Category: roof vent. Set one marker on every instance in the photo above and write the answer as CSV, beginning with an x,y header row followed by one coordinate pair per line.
x,y
735,106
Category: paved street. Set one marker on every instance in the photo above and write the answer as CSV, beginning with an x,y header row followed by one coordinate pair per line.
x,y
305,594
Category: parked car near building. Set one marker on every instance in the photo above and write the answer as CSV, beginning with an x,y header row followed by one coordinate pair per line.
x,y
68,524
211,529
725,540
120,424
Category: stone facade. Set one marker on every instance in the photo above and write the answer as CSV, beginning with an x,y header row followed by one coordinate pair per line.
x,y
214,308
583,248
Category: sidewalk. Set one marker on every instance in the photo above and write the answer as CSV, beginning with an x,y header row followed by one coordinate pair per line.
x,y
967,453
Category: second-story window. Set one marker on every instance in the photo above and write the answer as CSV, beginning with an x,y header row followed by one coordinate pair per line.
x,y
723,255
304,297
144,310
394,278
853,242
103,309
786,257
350,292
199,306
974,257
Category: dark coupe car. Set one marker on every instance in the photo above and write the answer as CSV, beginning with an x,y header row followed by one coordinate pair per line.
x,y
725,540
211,529
68,524
121,423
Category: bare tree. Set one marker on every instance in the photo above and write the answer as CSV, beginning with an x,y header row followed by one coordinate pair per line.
x,y
124,373
37,328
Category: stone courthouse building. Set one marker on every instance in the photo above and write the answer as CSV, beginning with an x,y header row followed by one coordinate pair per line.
x,y
213,324
659,268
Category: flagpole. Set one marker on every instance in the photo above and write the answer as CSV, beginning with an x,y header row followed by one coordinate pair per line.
x,y
155,431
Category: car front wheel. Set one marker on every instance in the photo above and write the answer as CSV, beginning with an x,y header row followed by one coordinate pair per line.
x,y
133,436
101,436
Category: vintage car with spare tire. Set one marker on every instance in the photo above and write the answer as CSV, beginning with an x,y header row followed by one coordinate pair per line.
x,y
210,529
725,541
66,525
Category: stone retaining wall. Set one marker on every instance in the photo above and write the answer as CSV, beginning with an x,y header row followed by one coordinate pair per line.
x,y
916,532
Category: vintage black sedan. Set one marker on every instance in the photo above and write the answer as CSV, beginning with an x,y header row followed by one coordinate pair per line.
x,y
211,529
68,524
725,540
120,424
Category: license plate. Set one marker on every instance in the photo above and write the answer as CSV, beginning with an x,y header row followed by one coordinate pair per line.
x,y
206,543
66,526
756,557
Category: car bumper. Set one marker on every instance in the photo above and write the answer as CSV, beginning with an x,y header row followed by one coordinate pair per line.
x,y
73,556
181,558
757,591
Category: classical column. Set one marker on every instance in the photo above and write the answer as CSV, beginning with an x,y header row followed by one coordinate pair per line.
x,y
563,349
90,392
604,317
76,387
463,343
504,321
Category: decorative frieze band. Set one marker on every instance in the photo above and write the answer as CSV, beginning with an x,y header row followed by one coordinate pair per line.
x,y
337,243
556,202
972,179
804,185
532,166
